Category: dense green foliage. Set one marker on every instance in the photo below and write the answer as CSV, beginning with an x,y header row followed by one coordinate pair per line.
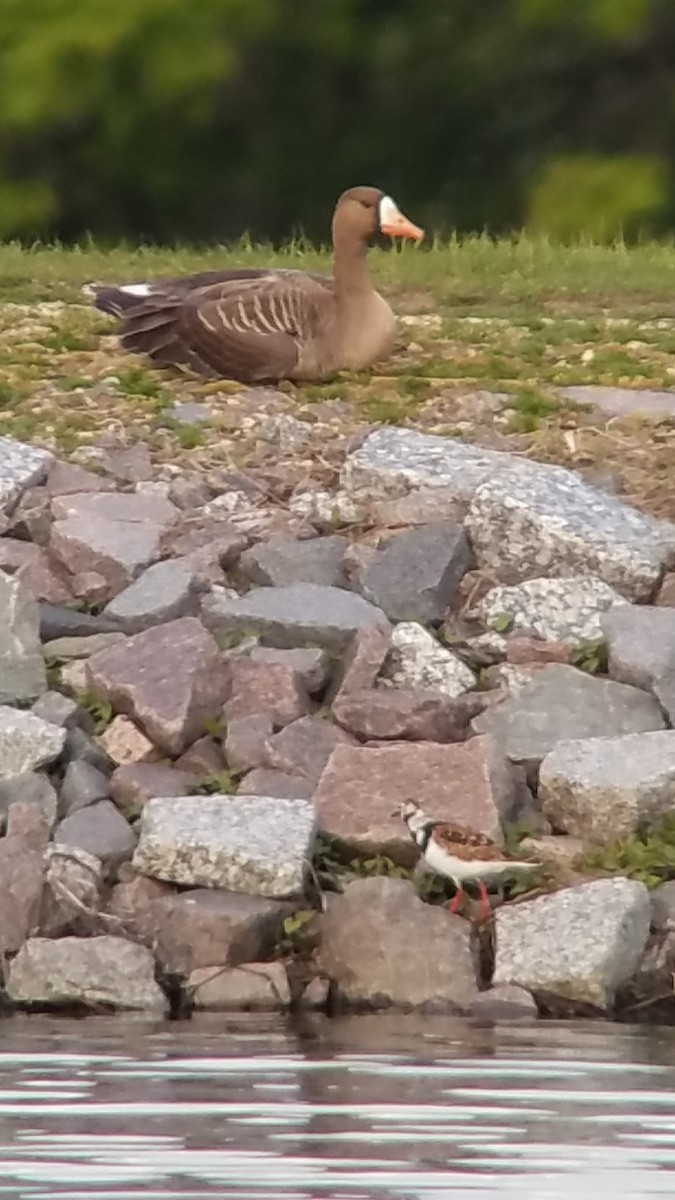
x,y
204,118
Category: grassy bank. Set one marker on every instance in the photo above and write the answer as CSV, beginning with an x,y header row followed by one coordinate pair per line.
x,y
518,317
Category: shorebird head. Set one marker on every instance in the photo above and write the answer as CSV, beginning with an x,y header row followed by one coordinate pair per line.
x,y
413,816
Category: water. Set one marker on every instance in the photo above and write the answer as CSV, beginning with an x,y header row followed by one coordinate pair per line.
x,y
390,1107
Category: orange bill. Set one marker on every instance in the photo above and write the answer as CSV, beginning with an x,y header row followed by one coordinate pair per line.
x,y
394,224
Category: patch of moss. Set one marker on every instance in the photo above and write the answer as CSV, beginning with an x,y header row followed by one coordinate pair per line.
x,y
590,656
224,783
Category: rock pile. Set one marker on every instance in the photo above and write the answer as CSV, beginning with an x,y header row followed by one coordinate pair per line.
x,y
199,690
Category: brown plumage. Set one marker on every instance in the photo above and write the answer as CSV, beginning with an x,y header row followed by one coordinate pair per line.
x,y
262,326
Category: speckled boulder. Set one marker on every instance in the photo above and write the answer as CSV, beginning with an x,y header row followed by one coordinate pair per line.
x,y
418,660
576,946
608,787
558,610
254,844
547,521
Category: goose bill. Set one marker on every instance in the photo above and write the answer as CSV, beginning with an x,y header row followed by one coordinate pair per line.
x,y
394,224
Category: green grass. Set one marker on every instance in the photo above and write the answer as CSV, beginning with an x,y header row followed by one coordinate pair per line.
x,y
520,316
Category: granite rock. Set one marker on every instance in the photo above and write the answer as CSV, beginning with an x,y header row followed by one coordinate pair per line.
x,y
283,561
640,643
577,946
506,1003
311,664
22,668
415,714
245,741
255,844
292,616
21,466
255,986
263,781
544,520
123,743
169,679
42,577
558,610
418,660
133,784
101,830
200,928
52,973
382,946
623,402
563,704
72,897
604,788
468,783
165,591
82,784
273,688
27,742
304,747
415,573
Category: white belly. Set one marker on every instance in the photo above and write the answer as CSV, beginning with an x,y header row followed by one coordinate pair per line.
x,y
461,870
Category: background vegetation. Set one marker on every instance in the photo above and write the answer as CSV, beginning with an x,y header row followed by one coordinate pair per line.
x,y
199,119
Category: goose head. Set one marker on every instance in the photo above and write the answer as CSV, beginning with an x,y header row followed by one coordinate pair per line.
x,y
363,212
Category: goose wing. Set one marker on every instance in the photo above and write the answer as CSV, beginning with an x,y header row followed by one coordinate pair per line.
x,y
116,299
248,329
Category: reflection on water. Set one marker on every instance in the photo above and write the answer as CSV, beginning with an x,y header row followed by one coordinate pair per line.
x,y
398,1108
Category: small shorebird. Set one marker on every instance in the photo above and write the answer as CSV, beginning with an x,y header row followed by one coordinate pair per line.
x,y
460,854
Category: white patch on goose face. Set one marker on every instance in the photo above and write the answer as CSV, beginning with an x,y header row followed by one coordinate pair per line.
x,y
389,213
136,289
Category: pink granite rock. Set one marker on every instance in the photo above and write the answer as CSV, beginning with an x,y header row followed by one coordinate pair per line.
x,y
469,783
169,679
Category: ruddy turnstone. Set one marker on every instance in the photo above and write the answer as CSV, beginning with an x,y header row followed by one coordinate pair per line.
x,y
460,854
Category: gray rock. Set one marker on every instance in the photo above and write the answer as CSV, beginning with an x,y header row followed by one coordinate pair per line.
x,y
257,986
663,906
381,945
578,945
74,880
310,663
563,704
26,742
282,561
57,972
57,709
57,621
133,784
170,679
246,741
81,745
546,521
292,616
129,464
31,520
113,534
101,830
67,648
623,402
30,788
640,642
418,660
205,927
304,747
558,610
392,463
609,787
254,844
262,781
506,1002
83,784
163,592
21,466
22,668
415,574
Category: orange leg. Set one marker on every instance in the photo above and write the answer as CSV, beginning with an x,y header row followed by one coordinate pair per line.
x,y
485,909
457,900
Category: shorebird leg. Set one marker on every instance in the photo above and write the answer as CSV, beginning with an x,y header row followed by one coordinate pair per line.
x,y
485,909
457,900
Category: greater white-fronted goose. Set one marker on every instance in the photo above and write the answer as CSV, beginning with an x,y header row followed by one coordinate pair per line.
x,y
259,326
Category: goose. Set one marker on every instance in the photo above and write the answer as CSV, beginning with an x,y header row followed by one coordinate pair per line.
x,y
260,326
